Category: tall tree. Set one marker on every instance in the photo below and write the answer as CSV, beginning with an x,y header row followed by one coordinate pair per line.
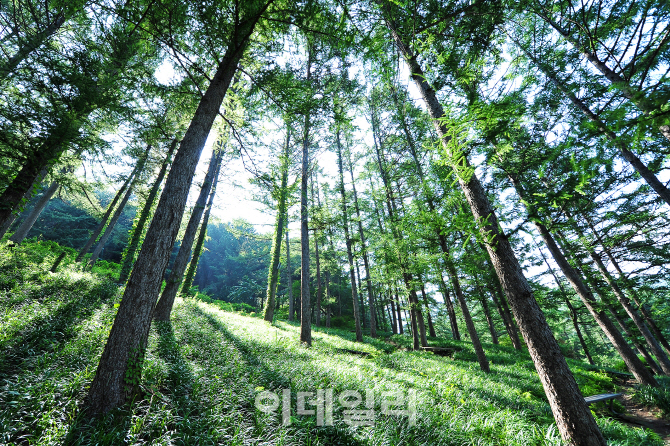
x,y
120,366
573,417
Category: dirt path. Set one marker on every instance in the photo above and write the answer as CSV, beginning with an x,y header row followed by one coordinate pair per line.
x,y
638,415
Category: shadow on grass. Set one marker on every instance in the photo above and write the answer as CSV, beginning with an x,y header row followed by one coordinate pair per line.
x,y
48,332
263,376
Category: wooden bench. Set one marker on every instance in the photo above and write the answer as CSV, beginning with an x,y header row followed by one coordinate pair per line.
x,y
602,397
439,351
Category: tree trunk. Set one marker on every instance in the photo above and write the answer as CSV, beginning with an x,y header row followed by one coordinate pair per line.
x,y
431,328
345,224
27,224
289,275
631,289
364,250
394,321
317,259
450,309
119,210
164,306
469,324
273,273
123,354
573,417
651,341
305,304
199,245
96,232
138,230
573,311
361,302
397,302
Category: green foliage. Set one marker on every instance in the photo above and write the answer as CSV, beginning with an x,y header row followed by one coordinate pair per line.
x,y
203,371
656,397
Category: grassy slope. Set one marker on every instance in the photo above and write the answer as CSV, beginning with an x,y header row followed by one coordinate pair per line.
x,y
204,371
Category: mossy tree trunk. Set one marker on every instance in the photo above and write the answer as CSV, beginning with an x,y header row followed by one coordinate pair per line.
x,y
138,230
282,212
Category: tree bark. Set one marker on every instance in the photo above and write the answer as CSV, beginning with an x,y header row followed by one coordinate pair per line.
x,y
571,308
289,275
573,417
164,306
123,353
450,309
273,273
345,224
27,224
629,286
138,230
305,304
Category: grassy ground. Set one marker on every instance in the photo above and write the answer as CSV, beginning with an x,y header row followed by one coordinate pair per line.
x,y
205,370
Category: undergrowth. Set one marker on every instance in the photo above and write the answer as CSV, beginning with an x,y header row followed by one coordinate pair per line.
x,y
204,371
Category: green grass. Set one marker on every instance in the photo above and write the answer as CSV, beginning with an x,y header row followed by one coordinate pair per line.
x,y
204,370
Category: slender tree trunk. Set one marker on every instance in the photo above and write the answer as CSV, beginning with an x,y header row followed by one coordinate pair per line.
x,y
629,286
119,210
397,302
317,259
450,308
431,328
96,232
631,93
138,230
345,224
364,250
273,273
124,352
305,304
573,417
646,174
394,321
27,224
571,308
649,338
361,302
199,245
58,261
289,275
164,306
26,198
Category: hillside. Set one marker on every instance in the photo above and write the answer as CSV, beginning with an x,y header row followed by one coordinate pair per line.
x,y
204,372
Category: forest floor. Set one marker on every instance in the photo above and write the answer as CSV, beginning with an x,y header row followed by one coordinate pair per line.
x,y
639,415
218,377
